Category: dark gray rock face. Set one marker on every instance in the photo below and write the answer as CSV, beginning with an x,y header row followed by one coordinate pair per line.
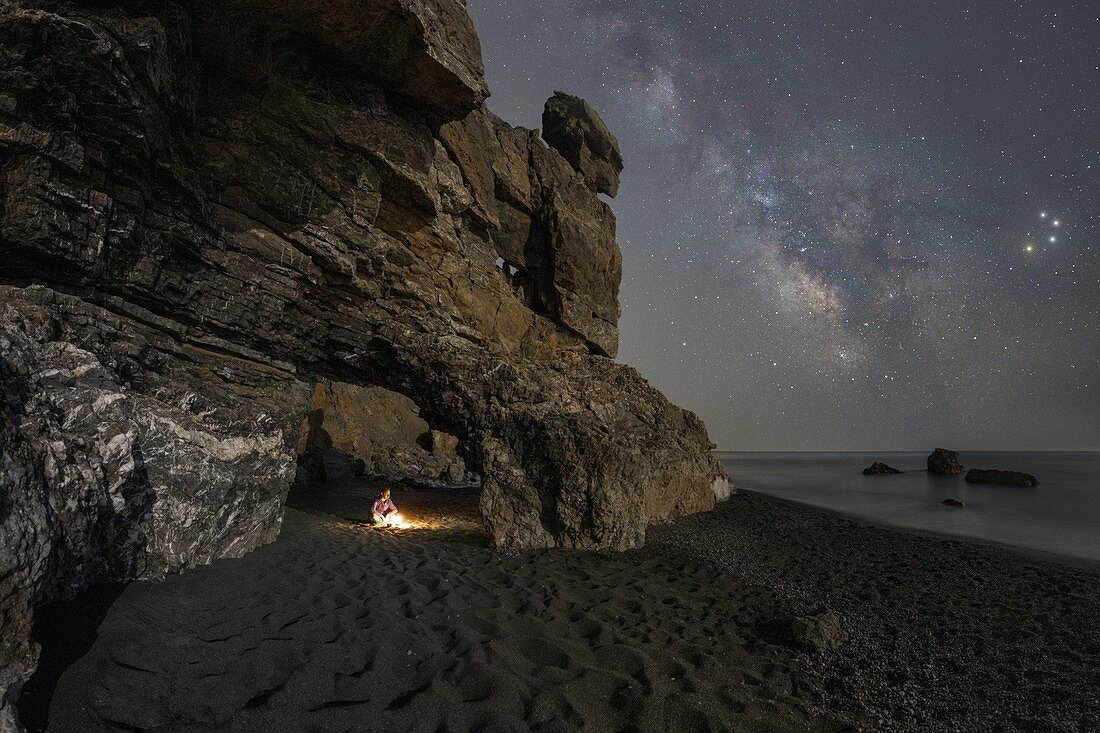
x,y
335,465
1005,478
954,502
424,50
944,462
575,130
207,208
102,479
879,469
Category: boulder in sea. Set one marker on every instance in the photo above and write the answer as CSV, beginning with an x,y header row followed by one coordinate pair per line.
x,y
945,462
879,469
954,502
1005,478
816,632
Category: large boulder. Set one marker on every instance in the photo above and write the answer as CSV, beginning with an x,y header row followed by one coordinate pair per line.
x,y
817,632
209,208
575,130
103,481
1005,478
944,462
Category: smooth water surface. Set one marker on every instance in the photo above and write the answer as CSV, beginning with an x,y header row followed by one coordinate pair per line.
x,y
1061,515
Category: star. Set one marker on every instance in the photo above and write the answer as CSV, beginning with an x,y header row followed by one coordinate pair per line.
x,y
814,211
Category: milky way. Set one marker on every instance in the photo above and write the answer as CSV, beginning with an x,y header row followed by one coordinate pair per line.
x,y
844,225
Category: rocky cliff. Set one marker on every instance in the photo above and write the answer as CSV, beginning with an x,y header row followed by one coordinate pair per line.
x,y
352,430
207,208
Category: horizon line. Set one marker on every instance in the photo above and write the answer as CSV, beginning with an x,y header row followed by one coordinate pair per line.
x,y
895,450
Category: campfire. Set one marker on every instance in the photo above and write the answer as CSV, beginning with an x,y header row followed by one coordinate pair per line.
x,y
397,522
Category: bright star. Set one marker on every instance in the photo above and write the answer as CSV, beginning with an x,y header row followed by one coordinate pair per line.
x,y
1042,214
1056,223
1053,239
1029,248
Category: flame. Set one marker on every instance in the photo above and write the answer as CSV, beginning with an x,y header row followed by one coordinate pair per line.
x,y
396,520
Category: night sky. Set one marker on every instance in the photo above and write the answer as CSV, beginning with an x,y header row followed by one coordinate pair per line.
x,y
845,225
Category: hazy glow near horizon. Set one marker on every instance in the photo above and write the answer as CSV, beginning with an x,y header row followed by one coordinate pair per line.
x,y
838,232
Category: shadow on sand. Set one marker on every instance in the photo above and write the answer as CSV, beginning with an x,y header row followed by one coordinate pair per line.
x,y
66,631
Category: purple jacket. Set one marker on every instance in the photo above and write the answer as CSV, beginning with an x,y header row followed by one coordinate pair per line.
x,y
384,507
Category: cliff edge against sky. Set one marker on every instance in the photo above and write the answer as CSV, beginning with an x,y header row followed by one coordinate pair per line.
x,y
206,208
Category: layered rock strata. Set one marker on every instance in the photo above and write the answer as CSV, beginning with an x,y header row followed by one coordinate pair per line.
x,y
207,208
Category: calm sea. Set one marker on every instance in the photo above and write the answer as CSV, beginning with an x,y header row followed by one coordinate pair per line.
x,y
1061,515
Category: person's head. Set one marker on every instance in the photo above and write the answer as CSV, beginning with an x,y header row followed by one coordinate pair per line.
x,y
385,493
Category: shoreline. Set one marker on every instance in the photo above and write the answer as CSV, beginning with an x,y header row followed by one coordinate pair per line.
x,y
715,451
1060,516
337,627
942,628
874,523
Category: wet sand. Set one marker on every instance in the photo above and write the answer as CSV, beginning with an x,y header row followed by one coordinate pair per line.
x,y
338,627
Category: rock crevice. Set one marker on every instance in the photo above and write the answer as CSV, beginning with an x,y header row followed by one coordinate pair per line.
x,y
202,216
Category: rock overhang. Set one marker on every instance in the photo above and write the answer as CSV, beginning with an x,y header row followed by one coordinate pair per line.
x,y
214,250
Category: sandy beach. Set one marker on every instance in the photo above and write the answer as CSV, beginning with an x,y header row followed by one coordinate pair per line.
x,y
337,627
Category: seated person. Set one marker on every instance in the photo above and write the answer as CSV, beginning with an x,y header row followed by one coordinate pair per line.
x,y
383,507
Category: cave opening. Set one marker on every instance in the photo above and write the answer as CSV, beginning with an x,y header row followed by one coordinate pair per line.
x,y
358,440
